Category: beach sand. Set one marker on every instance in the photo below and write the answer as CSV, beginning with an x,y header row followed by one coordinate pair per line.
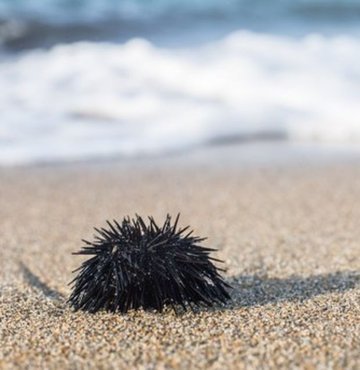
x,y
290,238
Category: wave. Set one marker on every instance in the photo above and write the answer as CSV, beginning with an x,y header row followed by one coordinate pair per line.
x,y
68,10
89,100
45,23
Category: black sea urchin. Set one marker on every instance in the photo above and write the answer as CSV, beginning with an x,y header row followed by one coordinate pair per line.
x,y
143,265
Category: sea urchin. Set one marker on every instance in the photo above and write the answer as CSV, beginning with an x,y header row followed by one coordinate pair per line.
x,y
135,265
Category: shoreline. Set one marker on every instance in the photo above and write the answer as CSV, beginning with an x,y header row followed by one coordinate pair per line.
x,y
233,154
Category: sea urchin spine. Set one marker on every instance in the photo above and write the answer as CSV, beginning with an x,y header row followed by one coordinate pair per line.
x,y
135,265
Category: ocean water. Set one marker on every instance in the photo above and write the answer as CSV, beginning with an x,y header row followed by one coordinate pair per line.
x,y
98,79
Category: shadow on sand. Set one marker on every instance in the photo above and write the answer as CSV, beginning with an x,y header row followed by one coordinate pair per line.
x,y
258,290
35,282
252,290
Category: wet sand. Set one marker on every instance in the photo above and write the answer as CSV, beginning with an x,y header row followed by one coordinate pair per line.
x,y
290,238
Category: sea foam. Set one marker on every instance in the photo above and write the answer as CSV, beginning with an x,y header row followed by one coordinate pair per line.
x,y
90,100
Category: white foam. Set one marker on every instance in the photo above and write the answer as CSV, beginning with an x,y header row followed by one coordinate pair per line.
x,y
91,99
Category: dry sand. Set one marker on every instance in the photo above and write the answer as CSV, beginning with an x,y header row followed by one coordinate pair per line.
x,y
290,238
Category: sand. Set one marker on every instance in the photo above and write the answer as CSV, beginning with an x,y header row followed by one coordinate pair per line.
x,y
290,238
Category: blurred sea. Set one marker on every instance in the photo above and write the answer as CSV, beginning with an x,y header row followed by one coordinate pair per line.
x,y
102,78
